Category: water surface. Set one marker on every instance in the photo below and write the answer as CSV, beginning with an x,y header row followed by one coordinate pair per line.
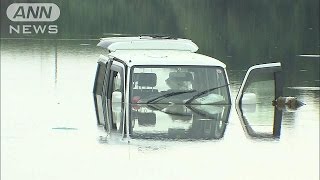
x,y
49,131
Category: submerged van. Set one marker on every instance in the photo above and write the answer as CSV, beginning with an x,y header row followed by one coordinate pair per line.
x,y
159,87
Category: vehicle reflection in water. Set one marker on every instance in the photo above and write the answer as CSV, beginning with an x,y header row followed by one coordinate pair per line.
x,y
258,125
195,122
163,121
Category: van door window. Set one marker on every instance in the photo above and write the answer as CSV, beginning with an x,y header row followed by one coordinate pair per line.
x,y
99,93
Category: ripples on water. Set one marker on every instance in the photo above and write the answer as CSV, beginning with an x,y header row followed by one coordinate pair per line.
x,y
49,131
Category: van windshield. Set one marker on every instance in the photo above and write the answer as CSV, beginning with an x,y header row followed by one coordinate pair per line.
x,y
179,85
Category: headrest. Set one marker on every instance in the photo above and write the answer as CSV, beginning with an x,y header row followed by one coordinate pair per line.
x,y
181,76
145,79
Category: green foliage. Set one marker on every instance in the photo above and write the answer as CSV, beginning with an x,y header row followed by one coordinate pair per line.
x,y
240,33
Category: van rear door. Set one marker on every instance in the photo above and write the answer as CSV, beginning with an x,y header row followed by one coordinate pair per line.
x,y
100,89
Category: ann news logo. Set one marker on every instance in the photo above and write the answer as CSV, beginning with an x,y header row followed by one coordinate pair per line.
x,y
27,13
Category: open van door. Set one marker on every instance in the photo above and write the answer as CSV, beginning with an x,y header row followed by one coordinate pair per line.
x,y
262,84
100,90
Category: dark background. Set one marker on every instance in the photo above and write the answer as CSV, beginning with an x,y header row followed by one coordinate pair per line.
x,y
239,33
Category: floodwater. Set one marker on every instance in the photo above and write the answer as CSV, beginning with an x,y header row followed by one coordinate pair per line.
x,y
49,131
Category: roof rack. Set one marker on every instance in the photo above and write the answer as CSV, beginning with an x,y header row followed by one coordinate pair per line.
x,y
158,36
147,42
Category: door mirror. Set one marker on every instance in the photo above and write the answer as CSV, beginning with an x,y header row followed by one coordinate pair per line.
x,y
249,102
249,99
116,97
116,101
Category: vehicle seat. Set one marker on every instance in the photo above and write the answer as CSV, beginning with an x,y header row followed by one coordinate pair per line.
x,y
144,84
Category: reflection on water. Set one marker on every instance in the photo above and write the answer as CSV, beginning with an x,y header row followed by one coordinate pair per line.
x,y
257,125
306,88
309,55
48,84
162,121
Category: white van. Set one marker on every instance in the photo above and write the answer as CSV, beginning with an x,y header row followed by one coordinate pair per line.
x,y
162,88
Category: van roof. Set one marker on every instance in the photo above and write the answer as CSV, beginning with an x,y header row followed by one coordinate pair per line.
x,y
147,43
164,57
156,50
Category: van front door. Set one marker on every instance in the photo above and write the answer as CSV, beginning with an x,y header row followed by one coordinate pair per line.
x,y
262,84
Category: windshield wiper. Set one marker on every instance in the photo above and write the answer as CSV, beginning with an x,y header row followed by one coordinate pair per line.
x,y
168,95
204,92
